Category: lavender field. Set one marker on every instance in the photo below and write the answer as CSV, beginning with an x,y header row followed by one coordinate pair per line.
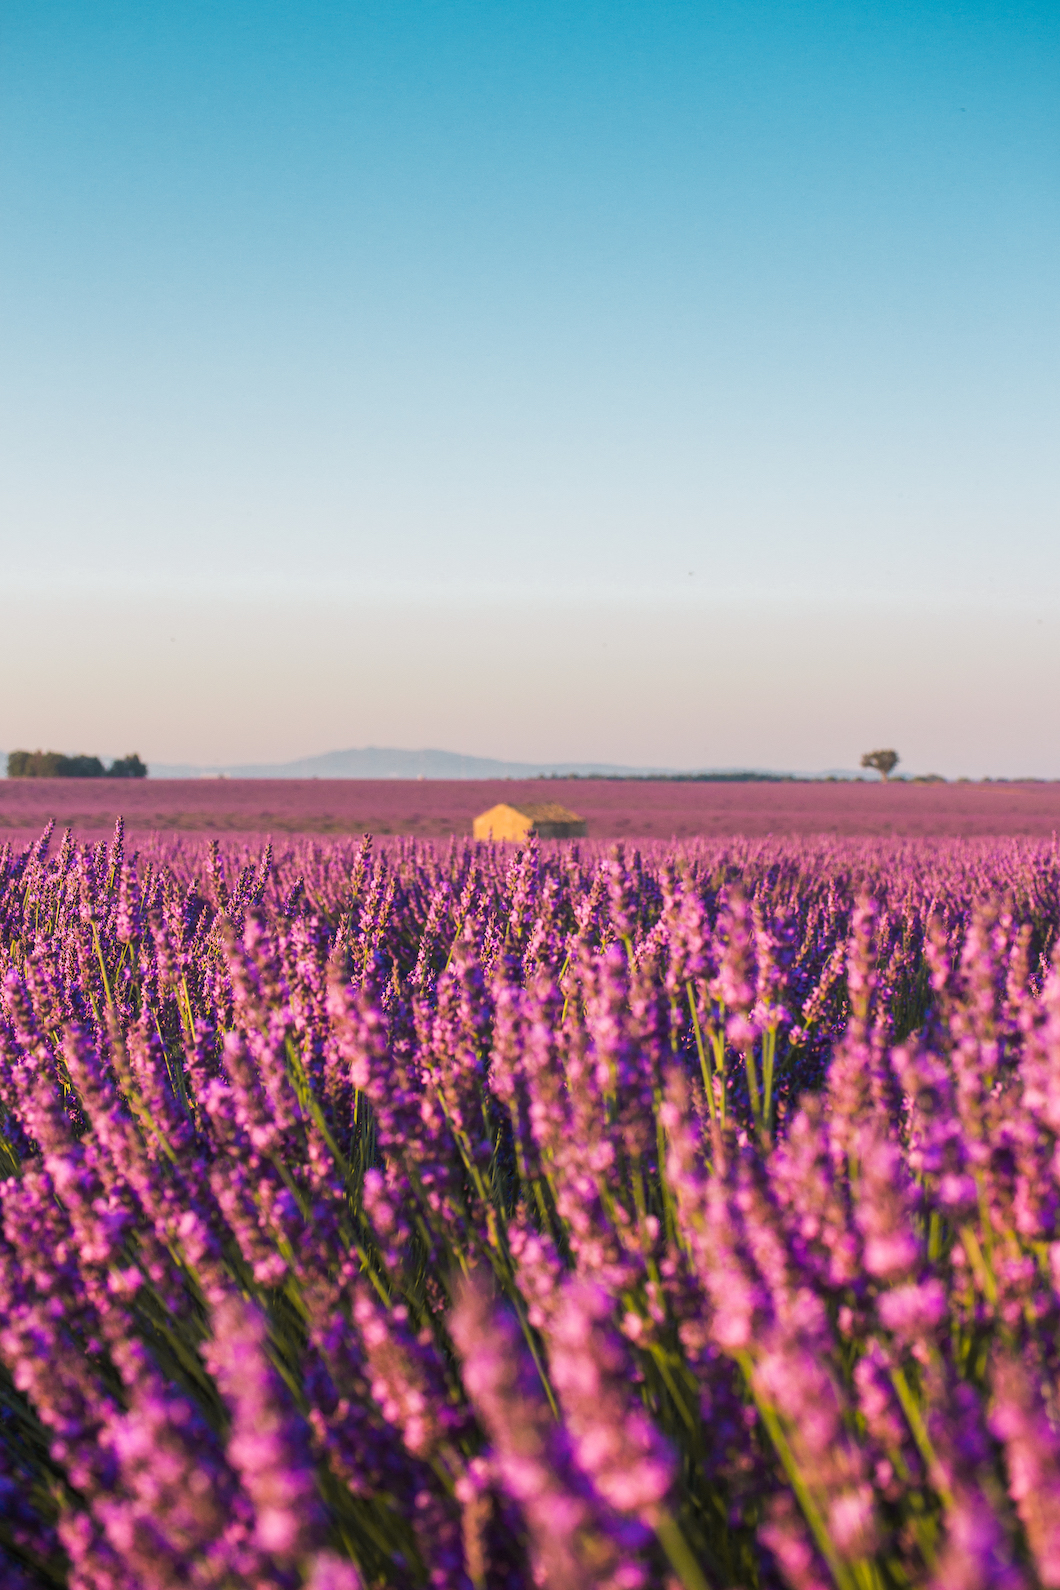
x,y
626,809
464,1216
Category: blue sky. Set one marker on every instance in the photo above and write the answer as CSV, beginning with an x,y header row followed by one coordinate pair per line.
x,y
652,383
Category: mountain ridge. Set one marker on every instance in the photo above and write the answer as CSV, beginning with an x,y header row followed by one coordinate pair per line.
x,y
389,762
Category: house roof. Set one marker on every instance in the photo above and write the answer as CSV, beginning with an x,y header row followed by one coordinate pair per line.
x,y
545,812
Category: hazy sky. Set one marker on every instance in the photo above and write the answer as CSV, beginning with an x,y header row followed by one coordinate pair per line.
x,y
656,383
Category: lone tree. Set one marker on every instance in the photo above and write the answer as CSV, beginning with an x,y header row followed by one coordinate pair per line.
x,y
884,762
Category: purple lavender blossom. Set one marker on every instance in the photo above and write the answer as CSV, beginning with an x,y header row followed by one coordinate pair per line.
x,y
575,1540
269,1443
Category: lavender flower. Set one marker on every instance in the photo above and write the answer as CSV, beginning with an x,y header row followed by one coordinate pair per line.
x,y
615,1441
269,1444
574,1539
1032,1449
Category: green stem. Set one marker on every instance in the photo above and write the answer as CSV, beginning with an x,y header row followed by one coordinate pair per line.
x,y
717,1039
704,1061
102,964
769,1052
752,1085
679,1553
915,1420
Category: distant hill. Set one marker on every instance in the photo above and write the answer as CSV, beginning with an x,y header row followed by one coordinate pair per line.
x,y
384,762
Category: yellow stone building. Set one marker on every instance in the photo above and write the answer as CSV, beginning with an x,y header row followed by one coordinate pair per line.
x,y
547,819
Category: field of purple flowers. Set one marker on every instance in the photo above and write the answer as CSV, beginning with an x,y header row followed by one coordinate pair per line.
x,y
474,1217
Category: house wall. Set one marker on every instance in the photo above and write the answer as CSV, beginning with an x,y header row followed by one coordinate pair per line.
x,y
501,822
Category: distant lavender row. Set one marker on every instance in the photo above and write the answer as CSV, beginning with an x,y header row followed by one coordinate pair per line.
x,y
473,1217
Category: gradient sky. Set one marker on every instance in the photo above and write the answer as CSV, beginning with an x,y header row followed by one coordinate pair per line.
x,y
651,383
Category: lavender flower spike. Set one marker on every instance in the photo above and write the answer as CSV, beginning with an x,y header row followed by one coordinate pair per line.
x,y
269,1445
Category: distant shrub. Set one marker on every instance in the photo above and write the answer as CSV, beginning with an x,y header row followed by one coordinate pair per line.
x,y
53,764
127,767
34,764
80,767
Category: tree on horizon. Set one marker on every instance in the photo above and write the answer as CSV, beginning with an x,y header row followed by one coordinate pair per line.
x,y
882,762
55,764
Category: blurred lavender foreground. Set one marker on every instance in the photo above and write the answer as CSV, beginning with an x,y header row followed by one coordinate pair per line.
x,y
481,1217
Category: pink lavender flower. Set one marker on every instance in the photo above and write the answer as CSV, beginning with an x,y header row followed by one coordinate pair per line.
x,y
329,1572
1032,1450
574,1540
735,983
269,1443
976,1554
175,1500
631,1464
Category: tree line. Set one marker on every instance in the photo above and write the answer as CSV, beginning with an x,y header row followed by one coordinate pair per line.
x,y
53,764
